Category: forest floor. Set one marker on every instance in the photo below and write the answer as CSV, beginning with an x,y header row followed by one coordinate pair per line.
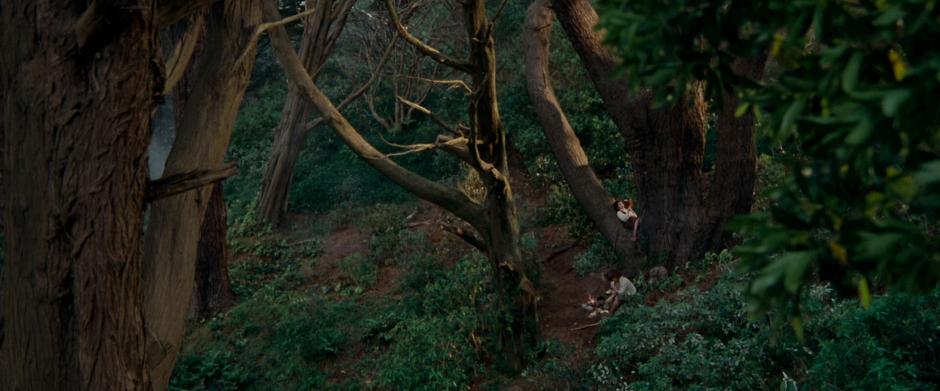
x,y
561,289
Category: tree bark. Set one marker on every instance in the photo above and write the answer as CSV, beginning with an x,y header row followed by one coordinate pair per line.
x,y
321,30
681,210
213,292
171,239
77,125
572,161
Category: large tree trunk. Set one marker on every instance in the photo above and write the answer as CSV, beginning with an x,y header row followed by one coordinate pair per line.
x,y
213,292
321,30
681,211
572,161
667,160
170,243
77,125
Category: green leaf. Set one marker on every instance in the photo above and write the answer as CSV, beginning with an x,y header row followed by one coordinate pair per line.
x,y
741,110
928,173
789,118
864,294
878,245
795,264
893,100
889,17
850,73
860,133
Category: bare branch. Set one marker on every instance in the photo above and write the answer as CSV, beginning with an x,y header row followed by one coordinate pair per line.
x,y
429,51
363,88
267,26
453,83
468,237
499,11
431,115
183,182
450,199
416,148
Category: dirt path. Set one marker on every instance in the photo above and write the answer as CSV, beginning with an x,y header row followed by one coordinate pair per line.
x,y
562,292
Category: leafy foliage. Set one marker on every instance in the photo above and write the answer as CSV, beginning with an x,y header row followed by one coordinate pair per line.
x,y
598,256
851,101
704,340
436,344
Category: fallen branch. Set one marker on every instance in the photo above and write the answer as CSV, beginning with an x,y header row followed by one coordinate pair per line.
x,y
561,251
183,182
418,224
587,326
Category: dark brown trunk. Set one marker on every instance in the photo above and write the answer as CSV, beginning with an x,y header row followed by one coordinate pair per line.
x,y
213,292
681,212
322,29
77,125
667,159
171,239
732,187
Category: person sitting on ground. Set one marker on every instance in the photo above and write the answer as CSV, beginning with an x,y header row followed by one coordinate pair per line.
x,y
620,288
627,215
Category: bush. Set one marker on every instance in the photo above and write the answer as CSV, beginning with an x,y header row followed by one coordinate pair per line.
x,y
563,209
435,345
360,269
215,370
272,338
598,256
704,340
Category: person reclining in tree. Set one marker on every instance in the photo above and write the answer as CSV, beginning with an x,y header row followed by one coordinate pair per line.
x,y
627,215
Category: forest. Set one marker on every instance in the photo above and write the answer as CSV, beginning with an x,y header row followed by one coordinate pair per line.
x,y
469,195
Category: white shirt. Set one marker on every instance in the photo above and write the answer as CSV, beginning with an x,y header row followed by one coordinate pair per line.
x,y
625,215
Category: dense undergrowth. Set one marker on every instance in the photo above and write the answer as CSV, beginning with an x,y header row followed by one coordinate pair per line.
x,y
424,333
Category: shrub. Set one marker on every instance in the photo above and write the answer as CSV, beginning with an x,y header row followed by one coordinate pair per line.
x,y
435,345
704,340
214,370
598,256
360,269
563,209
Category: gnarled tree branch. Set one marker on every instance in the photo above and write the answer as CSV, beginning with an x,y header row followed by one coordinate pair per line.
x,y
449,199
423,47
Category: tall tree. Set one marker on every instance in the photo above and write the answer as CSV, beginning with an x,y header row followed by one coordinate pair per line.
x,y
572,160
174,229
682,208
212,292
322,27
482,146
80,85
